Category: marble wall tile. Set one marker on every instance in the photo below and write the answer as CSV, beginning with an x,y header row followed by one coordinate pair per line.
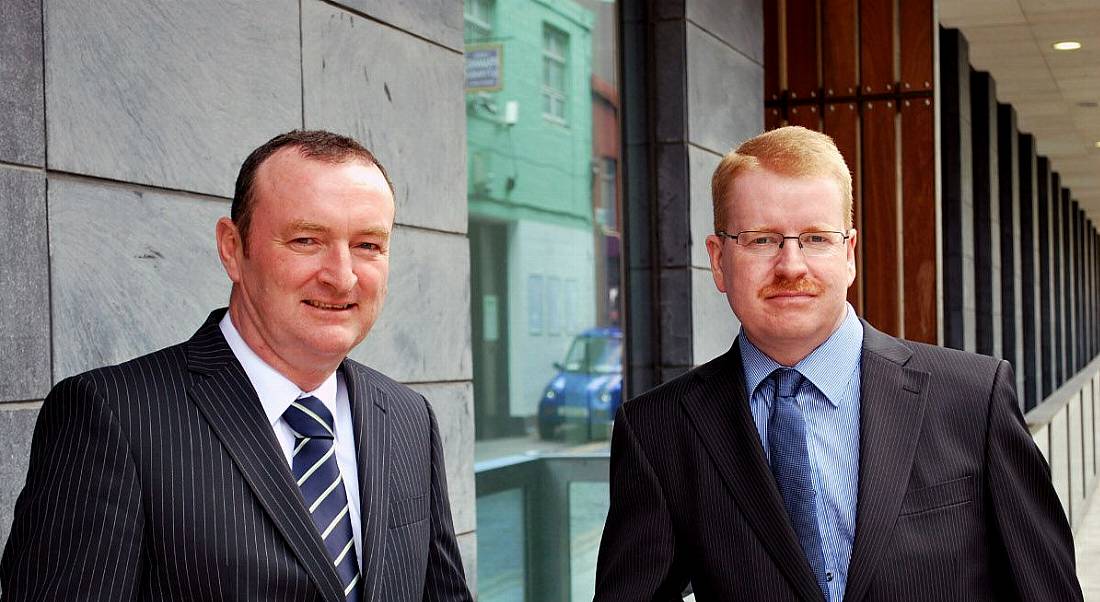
x,y
22,138
170,94
724,89
423,334
440,21
713,324
132,270
739,23
467,546
16,428
409,112
701,166
453,404
24,286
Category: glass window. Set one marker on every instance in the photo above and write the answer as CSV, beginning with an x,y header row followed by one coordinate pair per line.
x,y
555,46
545,256
479,19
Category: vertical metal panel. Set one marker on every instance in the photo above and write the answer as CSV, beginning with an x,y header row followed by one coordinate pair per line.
x,y
1029,264
842,124
955,192
984,183
1057,315
1008,190
919,216
876,57
840,47
1067,285
802,49
880,217
1047,371
917,27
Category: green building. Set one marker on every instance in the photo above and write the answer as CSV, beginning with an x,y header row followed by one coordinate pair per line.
x,y
533,243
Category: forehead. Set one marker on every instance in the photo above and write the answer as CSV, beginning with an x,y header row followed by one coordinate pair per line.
x,y
288,178
760,197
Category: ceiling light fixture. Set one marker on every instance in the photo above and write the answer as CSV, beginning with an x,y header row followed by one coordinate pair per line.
x,y
1098,144
1067,45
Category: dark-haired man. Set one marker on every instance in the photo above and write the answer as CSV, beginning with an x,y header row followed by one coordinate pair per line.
x,y
254,461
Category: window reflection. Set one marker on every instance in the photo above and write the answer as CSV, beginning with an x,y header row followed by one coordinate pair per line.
x,y
544,197
542,108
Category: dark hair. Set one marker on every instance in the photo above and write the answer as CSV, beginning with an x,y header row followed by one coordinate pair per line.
x,y
318,145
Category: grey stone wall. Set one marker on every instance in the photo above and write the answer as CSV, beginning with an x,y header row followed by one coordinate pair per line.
x,y
706,89
123,127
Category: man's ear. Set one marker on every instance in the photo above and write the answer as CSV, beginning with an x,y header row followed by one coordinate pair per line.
x,y
230,247
714,249
851,251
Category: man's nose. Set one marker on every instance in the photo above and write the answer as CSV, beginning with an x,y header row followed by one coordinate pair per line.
x,y
338,270
791,261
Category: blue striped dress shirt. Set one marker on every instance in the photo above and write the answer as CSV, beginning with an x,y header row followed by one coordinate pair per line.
x,y
831,409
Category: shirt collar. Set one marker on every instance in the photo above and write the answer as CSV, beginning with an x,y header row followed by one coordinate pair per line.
x,y
274,390
829,367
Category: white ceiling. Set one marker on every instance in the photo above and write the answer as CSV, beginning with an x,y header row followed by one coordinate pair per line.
x,y
1055,93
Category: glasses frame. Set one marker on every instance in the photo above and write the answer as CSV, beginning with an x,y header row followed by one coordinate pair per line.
x,y
783,240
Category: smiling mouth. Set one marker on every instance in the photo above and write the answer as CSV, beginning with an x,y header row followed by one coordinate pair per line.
x,y
328,306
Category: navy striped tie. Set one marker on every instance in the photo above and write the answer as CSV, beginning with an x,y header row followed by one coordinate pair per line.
x,y
790,461
318,476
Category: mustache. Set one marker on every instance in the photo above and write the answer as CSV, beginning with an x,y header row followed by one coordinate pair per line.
x,y
804,285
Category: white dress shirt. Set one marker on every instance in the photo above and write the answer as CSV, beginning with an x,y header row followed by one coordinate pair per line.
x,y
276,392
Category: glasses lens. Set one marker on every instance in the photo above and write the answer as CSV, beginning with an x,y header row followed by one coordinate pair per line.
x,y
760,243
821,243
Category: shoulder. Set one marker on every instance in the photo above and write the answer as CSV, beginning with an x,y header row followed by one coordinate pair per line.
x,y
960,373
662,401
397,395
135,378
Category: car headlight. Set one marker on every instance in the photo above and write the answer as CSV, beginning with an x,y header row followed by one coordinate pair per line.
x,y
605,397
550,394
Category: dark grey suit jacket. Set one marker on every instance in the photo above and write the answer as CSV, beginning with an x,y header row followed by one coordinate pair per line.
x,y
955,501
161,479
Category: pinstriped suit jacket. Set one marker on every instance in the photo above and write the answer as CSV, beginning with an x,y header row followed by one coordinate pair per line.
x,y
955,501
161,479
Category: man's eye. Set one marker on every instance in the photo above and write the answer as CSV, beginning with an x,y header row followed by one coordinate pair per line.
x,y
370,246
761,240
304,241
816,239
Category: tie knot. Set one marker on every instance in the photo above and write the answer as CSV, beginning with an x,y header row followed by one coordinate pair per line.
x,y
308,417
788,381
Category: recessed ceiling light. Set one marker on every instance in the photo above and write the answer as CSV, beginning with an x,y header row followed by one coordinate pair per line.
x,y
1098,144
1067,45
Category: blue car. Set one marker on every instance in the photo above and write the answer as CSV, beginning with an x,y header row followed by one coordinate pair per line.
x,y
587,390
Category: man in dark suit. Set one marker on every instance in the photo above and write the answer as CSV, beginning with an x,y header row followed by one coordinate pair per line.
x,y
820,459
254,461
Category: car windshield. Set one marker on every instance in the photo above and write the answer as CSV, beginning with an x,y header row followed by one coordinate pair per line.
x,y
595,355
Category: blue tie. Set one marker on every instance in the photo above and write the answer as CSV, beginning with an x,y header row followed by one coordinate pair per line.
x,y
791,467
318,476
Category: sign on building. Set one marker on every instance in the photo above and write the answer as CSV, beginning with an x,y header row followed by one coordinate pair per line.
x,y
484,67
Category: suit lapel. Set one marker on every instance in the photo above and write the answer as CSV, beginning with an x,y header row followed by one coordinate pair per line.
x,y
892,402
719,410
372,436
224,395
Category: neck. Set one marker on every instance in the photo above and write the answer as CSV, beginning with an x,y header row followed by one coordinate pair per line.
x,y
788,352
305,379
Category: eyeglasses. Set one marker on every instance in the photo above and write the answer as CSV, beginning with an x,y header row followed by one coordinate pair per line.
x,y
768,244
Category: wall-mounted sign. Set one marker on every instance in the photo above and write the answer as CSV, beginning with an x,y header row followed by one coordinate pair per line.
x,y
484,67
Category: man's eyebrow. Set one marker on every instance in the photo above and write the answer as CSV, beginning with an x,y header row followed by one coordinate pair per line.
x,y
306,226
373,231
